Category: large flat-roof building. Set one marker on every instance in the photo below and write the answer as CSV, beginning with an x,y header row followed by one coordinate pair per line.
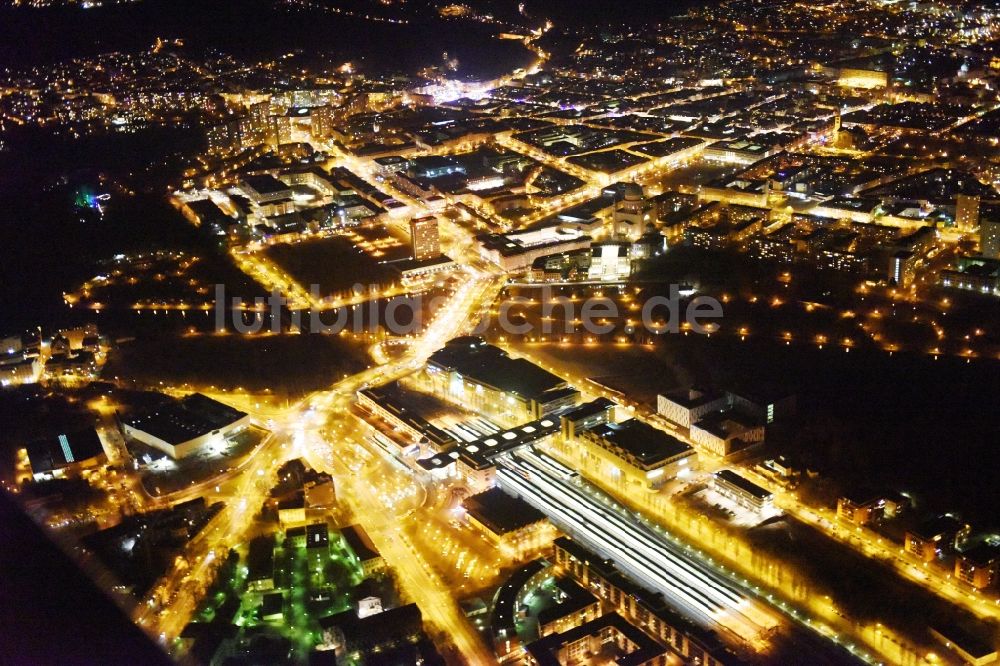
x,y
633,454
264,189
979,566
594,636
989,237
364,550
508,522
389,403
65,454
685,406
182,427
486,379
516,251
374,637
741,490
727,432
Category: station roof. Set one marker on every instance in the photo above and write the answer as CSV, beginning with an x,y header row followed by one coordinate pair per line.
x,y
479,454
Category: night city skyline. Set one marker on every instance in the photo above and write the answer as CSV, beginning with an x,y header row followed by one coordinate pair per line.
x,y
472,332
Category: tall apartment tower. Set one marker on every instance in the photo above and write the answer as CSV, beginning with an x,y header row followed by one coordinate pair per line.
x,y
989,237
966,212
424,237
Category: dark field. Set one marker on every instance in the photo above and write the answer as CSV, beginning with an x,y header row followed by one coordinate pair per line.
x,y
334,264
289,365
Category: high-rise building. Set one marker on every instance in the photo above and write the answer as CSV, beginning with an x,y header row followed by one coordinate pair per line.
x,y
322,122
966,212
989,237
259,113
224,137
262,125
424,237
282,128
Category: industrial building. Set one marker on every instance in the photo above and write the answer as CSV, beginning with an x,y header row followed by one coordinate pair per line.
x,y
186,426
65,454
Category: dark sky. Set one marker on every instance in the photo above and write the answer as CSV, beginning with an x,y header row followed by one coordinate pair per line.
x,y
602,12
252,27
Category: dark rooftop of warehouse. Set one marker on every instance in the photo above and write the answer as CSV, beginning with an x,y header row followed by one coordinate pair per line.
x,y
52,453
265,184
181,420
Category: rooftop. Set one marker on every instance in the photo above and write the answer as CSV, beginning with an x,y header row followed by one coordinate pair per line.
x,y
381,628
64,449
693,397
480,453
982,554
648,445
936,527
264,184
317,535
500,512
359,542
182,420
545,651
485,364
502,615
392,398
725,423
745,485
572,599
